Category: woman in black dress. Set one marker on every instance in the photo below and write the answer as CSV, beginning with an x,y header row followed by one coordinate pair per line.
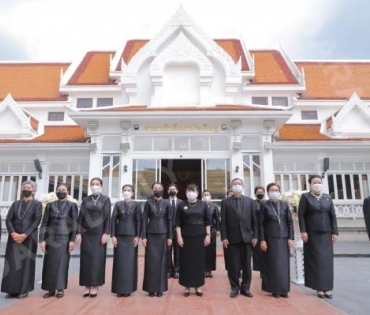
x,y
319,231
24,216
259,192
92,232
57,240
276,237
193,227
156,237
214,214
125,233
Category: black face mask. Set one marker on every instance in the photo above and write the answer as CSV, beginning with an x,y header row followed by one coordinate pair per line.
x,y
260,196
61,194
158,193
172,193
26,193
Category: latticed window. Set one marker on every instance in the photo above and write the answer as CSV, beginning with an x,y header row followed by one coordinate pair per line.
x,y
111,166
251,172
217,177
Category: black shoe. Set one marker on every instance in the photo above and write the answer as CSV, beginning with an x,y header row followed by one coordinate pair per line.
x,y
119,295
22,296
49,294
234,293
275,295
246,293
199,293
86,295
11,296
60,294
176,275
159,294
321,295
210,275
186,293
126,294
328,295
151,294
284,295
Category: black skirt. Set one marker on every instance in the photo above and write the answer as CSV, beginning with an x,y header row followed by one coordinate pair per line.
x,y
155,265
276,266
19,266
192,261
92,261
125,265
319,261
56,264
211,253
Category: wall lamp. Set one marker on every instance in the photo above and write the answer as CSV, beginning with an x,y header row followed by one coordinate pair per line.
x,y
237,169
125,168
136,127
325,166
223,127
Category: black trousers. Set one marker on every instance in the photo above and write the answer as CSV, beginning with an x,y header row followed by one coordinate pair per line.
x,y
173,261
239,255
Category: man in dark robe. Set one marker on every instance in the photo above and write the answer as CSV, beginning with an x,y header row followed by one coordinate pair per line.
x,y
22,221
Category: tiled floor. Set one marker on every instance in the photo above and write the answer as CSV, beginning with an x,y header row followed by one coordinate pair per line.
x,y
216,300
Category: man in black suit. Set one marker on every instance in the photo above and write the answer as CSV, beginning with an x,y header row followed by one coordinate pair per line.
x,y
239,232
366,210
173,264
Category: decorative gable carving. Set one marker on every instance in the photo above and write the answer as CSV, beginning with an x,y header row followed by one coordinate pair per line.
x,y
353,120
180,40
14,123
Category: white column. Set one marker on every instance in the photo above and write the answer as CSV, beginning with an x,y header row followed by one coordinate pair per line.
x,y
267,160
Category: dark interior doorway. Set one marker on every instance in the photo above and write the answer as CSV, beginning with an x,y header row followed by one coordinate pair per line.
x,y
181,172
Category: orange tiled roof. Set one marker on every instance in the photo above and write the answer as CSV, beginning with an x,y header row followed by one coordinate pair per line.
x,y
144,108
336,80
93,70
299,132
55,134
31,81
271,68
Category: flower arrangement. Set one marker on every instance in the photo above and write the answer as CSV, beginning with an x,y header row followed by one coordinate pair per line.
x,y
50,197
292,197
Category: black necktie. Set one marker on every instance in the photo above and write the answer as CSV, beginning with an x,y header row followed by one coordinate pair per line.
x,y
173,204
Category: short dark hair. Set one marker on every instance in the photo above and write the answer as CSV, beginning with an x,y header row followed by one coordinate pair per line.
x,y
312,177
192,187
272,184
62,184
258,188
155,183
206,190
234,179
128,185
98,179
174,185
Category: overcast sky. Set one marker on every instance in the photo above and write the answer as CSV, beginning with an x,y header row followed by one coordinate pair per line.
x,y
63,30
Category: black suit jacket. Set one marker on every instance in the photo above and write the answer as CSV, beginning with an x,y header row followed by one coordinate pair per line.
x,y
157,218
126,219
366,210
269,221
317,215
236,226
177,201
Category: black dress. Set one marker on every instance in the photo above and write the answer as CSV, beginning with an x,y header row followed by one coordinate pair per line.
x,y
317,218
58,228
93,222
276,227
192,219
125,226
20,259
257,252
156,228
214,214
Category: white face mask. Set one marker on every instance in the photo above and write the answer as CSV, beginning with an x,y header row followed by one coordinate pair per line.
x,y
206,198
237,188
96,189
191,195
316,187
274,195
126,195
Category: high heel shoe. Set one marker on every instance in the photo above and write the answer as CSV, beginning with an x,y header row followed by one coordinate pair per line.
x,y
92,295
186,292
87,292
198,292
320,295
328,295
